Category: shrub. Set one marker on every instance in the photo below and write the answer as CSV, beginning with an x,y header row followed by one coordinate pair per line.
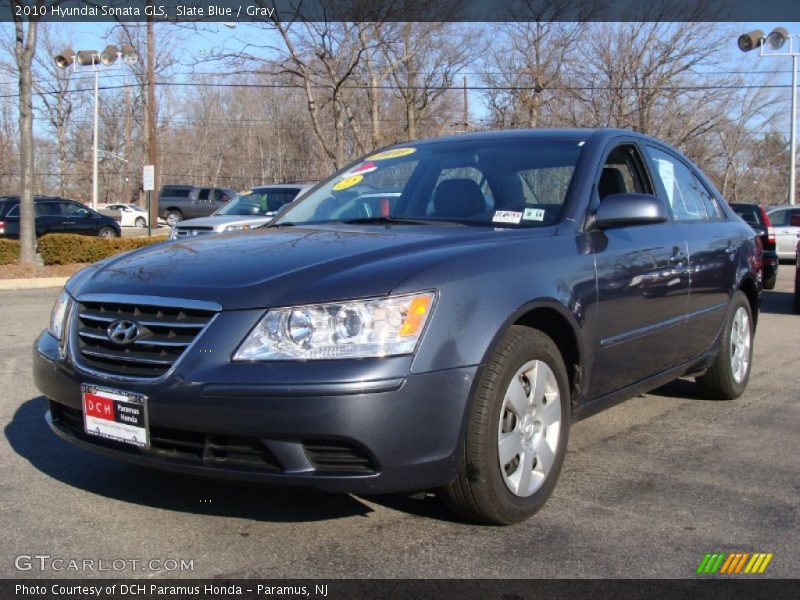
x,y
9,251
66,248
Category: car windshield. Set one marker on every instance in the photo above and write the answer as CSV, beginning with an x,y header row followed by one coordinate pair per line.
x,y
492,182
257,202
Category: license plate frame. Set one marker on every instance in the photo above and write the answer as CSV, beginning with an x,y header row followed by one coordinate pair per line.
x,y
116,415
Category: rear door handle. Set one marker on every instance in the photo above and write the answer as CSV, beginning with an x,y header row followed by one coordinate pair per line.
x,y
677,256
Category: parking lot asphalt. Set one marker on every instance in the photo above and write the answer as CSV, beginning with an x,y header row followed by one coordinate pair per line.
x,y
647,489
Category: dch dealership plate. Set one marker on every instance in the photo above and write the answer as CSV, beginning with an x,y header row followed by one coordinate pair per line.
x,y
115,415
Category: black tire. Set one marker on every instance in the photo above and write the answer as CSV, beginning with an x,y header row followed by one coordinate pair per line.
x,y
797,300
140,222
769,282
479,492
106,232
173,217
718,381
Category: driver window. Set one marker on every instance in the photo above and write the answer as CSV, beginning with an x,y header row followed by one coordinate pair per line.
x,y
621,174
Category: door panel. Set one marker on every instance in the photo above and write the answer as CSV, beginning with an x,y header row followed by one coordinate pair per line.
x,y
713,263
643,297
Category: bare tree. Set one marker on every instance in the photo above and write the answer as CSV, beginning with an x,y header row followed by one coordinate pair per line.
x,y
425,59
54,87
528,62
24,51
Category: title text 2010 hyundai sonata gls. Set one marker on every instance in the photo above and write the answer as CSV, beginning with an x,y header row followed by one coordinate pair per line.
x,y
431,317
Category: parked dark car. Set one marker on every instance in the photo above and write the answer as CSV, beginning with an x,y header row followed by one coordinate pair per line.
x,y
56,215
756,216
179,202
521,280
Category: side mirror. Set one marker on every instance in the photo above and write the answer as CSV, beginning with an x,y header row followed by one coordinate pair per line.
x,y
622,210
794,221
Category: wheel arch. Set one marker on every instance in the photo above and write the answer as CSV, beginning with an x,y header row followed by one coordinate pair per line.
x,y
750,289
554,320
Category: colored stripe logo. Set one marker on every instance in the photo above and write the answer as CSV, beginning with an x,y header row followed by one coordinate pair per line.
x,y
734,563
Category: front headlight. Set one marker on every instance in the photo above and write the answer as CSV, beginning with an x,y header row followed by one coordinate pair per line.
x,y
356,329
235,227
59,315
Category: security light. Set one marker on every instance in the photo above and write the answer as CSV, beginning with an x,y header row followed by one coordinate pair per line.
x,y
129,54
777,38
87,57
65,58
751,40
109,55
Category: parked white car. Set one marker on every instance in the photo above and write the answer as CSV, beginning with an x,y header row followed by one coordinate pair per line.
x,y
248,209
786,221
131,215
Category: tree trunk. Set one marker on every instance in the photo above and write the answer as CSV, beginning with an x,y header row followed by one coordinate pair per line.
x,y
25,48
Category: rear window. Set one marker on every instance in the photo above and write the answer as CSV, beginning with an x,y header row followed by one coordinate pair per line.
x,y
176,192
749,214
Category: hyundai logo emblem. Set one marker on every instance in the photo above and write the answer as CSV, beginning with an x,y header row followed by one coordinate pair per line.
x,y
122,332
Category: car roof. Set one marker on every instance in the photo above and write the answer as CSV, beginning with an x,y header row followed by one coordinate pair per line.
x,y
555,133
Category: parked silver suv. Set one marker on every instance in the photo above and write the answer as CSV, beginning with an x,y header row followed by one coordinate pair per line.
x,y
248,209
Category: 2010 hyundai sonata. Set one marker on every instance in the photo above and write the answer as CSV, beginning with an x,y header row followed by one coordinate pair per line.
x,y
433,316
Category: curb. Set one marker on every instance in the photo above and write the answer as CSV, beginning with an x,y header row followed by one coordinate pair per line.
x,y
34,283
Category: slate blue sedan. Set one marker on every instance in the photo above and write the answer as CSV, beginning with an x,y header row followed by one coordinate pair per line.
x,y
433,316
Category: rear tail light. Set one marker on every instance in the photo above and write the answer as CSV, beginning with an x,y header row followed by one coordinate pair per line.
x,y
768,225
2,226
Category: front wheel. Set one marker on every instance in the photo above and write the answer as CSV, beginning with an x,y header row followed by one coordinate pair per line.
x,y
106,232
140,223
517,432
174,217
727,377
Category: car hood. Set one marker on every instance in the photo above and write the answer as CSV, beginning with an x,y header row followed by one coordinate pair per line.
x,y
220,220
284,266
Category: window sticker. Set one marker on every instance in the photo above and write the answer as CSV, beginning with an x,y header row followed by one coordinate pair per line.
x,y
507,216
348,183
666,170
396,153
362,169
533,214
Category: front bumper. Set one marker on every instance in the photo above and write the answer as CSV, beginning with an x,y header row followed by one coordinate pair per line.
x,y
388,432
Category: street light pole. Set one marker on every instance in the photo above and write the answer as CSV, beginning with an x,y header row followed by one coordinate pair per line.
x,y
793,150
69,58
95,142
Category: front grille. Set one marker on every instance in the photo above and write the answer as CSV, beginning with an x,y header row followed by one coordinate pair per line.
x,y
182,232
212,450
334,457
164,334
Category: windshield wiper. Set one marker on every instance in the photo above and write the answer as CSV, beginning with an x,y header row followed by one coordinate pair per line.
x,y
398,221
